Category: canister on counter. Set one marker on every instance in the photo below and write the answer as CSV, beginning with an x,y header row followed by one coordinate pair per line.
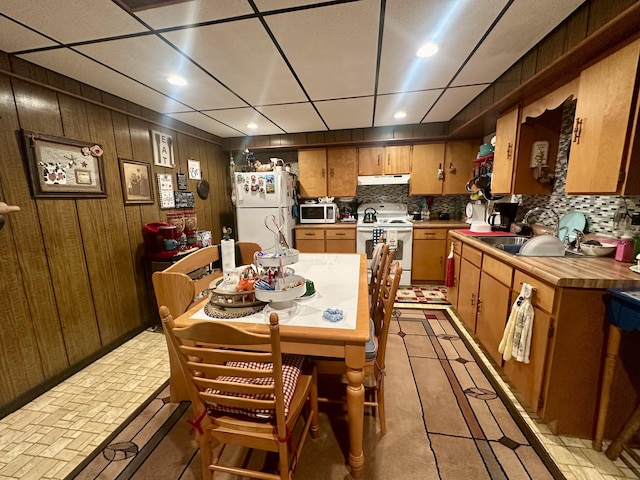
x,y
624,250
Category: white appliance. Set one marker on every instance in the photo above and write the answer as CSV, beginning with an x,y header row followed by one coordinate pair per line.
x,y
261,196
384,179
397,230
318,212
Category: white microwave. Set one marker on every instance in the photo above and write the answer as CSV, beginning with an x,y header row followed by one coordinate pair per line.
x,y
318,213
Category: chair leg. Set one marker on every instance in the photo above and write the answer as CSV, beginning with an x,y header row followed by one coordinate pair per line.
x,y
206,458
283,452
313,403
380,401
629,430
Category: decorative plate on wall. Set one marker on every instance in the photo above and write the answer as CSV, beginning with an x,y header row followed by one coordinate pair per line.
x,y
203,189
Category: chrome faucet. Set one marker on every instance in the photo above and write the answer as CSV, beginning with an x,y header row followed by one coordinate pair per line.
x,y
543,209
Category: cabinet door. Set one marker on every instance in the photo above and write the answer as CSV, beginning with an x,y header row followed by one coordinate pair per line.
x,y
426,161
342,165
493,311
312,172
504,154
602,120
458,166
370,161
468,293
397,159
427,261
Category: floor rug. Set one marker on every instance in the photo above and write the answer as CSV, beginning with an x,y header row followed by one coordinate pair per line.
x,y
423,294
445,421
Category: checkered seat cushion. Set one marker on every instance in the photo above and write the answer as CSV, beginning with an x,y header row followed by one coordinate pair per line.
x,y
291,370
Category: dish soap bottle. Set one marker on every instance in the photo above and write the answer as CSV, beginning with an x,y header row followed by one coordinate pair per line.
x,y
624,250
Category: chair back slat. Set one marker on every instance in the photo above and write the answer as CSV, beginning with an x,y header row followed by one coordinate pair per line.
x,y
382,273
220,356
388,292
239,402
234,387
206,370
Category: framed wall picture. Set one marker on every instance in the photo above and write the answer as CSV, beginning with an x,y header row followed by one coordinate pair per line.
x,y
136,184
60,167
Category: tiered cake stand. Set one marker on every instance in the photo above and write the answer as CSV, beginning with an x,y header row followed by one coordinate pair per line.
x,y
288,287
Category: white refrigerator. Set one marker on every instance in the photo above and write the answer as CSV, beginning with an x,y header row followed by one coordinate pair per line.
x,y
261,197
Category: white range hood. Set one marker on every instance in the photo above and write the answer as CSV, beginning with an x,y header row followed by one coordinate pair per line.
x,y
383,179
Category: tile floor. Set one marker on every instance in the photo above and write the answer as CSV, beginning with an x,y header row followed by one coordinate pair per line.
x,y
48,437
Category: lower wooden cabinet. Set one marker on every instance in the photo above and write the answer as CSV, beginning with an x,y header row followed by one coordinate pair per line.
x,y
492,313
429,255
468,286
326,239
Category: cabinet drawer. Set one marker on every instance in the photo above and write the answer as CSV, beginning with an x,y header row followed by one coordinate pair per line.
x,y
472,255
498,270
429,234
340,234
544,294
310,234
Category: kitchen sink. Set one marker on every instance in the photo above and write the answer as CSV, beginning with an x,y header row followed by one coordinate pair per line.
x,y
513,244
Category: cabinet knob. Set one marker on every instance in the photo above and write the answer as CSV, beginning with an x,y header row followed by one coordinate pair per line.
x,y
388,159
479,306
323,173
577,130
331,172
473,299
509,148
378,159
440,260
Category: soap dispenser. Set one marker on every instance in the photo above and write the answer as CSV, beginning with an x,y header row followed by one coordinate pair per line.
x,y
624,250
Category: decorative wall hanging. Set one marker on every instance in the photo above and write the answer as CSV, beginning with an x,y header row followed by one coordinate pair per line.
x,y
165,190
181,179
136,184
203,189
162,149
184,199
194,169
63,168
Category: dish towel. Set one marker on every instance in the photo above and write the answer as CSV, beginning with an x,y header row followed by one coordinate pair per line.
x,y
516,340
378,234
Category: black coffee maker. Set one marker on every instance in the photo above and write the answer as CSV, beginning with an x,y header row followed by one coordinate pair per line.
x,y
504,214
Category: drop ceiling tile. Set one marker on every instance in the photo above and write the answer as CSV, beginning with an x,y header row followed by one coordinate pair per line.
x,y
69,21
294,118
415,104
452,101
347,113
208,124
151,61
253,67
74,65
238,118
14,37
188,13
456,25
513,36
332,49
270,5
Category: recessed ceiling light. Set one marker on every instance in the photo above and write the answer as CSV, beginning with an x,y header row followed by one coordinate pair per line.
x,y
400,114
428,49
252,126
176,80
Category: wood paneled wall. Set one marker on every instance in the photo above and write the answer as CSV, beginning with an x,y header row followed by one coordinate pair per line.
x,y
72,272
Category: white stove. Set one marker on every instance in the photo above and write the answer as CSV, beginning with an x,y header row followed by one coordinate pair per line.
x,y
393,224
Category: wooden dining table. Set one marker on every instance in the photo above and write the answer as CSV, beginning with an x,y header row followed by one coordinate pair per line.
x,y
340,282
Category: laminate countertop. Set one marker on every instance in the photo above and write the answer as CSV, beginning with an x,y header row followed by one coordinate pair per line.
x,y
572,272
324,226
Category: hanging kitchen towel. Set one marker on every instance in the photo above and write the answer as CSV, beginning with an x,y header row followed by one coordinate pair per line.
x,y
228,253
392,239
449,278
524,325
378,234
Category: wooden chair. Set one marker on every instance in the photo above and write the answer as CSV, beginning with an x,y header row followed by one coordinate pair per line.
x,y
377,346
383,269
177,287
246,251
243,392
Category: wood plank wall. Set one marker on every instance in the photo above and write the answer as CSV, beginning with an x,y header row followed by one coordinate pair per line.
x,y
72,272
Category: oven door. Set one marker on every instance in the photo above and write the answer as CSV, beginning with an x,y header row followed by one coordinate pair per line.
x,y
402,237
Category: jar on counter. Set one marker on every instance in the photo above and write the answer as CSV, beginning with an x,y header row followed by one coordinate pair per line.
x,y
624,250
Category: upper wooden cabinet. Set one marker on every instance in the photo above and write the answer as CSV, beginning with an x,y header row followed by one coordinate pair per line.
x,y
604,149
328,171
384,160
455,160
504,153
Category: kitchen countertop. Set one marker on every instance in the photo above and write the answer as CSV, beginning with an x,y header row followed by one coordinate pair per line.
x,y
589,272
327,225
439,224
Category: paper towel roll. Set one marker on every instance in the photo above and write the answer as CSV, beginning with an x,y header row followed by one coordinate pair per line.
x,y
228,252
